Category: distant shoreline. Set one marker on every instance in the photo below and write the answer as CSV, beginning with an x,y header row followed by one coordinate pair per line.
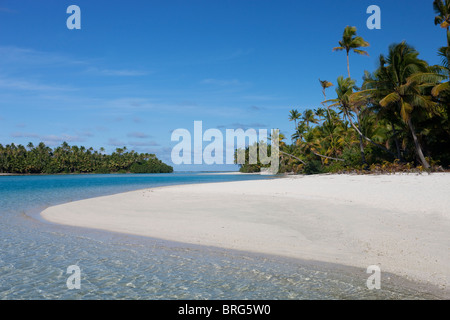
x,y
92,173
287,174
398,222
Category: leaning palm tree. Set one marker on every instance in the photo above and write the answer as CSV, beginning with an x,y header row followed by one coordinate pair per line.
x,y
344,90
283,146
351,42
311,142
369,96
401,88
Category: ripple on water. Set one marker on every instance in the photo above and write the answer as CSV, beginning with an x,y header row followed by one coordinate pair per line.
x,y
34,258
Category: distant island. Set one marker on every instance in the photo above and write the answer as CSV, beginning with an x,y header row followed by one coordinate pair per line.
x,y
68,159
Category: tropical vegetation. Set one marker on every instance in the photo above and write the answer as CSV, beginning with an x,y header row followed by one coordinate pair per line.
x,y
397,120
74,159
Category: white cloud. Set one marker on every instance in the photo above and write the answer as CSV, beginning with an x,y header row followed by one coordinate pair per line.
x,y
18,84
116,72
50,140
30,57
24,135
144,143
218,82
139,135
237,125
115,142
54,139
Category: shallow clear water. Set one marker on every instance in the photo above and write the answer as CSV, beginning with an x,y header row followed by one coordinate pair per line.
x,y
34,255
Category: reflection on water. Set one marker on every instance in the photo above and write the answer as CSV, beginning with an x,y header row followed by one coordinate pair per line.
x,y
35,255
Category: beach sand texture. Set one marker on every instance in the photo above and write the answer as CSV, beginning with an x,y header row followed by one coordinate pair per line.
x,y
400,222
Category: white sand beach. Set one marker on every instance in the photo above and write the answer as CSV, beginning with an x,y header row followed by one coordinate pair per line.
x,y
400,222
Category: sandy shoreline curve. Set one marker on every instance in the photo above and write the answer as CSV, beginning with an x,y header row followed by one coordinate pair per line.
x,y
399,222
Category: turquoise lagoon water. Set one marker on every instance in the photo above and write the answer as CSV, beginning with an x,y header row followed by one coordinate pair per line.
x,y
35,255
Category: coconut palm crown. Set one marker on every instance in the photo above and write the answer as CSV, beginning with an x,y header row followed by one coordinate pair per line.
x,y
351,42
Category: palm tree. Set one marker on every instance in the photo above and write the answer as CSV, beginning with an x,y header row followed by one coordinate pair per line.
x,y
299,132
306,138
325,84
442,90
351,42
344,90
69,159
401,88
3,161
320,113
442,9
334,133
313,142
294,115
309,117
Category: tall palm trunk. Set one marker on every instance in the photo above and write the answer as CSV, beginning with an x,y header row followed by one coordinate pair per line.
x,y
448,38
361,145
295,124
326,157
366,138
328,116
397,144
348,65
292,156
417,145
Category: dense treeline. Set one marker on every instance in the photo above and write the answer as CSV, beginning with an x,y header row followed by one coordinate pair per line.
x,y
398,119
74,159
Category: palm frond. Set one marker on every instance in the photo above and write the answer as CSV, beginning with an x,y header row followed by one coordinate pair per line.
x,y
361,52
406,110
425,77
440,88
389,99
338,48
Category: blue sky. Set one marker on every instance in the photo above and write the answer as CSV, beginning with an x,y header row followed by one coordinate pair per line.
x,y
137,70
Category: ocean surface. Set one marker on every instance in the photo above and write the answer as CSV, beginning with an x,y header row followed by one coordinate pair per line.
x,y
35,254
